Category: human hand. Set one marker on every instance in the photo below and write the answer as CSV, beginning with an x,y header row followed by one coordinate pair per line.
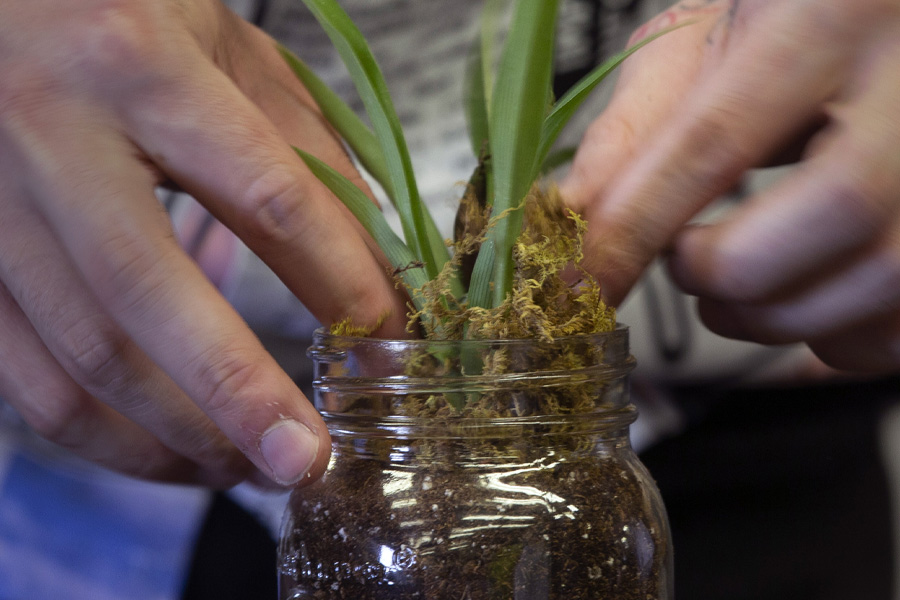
x,y
815,257
112,342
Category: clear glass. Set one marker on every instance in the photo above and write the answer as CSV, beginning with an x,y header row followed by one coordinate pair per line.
x,y
475,471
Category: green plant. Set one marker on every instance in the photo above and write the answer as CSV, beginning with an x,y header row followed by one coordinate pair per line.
x,y
513,124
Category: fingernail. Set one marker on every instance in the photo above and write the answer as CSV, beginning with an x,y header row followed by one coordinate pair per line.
x,y
290,449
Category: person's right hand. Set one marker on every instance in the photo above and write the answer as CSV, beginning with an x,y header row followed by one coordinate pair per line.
x,y
112,342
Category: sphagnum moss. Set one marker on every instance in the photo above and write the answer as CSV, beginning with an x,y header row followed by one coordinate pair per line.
x,y
543,304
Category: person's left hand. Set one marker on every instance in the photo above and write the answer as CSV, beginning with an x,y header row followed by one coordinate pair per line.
x,y
816,257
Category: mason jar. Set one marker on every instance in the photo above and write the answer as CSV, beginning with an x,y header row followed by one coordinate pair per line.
x,y
476,470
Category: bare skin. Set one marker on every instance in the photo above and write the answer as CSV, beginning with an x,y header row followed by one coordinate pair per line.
x,y
112,341
115,345
815,258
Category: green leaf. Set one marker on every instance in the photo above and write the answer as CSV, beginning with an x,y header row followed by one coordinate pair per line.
x,y
355,132
362,207
372,89
475,102
478,84
518,108
361,140
566,107
482,272
490,28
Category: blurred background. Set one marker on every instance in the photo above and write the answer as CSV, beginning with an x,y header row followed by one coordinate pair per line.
x,y
781,477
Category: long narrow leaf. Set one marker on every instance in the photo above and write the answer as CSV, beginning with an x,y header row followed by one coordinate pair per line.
x,y
479,81
482,272
566,107
518,109
475,102
372,89
490,27
355,132
361,141
362,207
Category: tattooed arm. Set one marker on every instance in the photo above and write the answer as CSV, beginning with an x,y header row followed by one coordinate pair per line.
x,y
815,257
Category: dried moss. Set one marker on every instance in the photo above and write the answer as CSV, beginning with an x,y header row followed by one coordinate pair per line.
x,y
346,327
553,296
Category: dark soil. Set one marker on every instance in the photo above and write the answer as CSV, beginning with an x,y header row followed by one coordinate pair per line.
x,y
505,523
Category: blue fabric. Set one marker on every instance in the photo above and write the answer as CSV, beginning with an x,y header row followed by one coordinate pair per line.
x,y
92,535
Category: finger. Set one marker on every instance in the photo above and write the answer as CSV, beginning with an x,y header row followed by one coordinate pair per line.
x,y
100,203
795,233
650,85
844,200
97,354
57,409
268,197
266,79
869,288
271,85
208,242
873,346
724,127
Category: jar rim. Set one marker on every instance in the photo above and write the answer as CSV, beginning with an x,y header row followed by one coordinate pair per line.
x,y
518,376
323,336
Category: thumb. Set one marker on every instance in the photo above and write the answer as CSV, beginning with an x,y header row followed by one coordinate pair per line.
x,y
720,127
650,85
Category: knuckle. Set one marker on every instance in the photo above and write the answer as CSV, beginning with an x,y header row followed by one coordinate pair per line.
x,y
51,416
715,153
657,23
235,385
618,133
862,203
97,356
729,276
119,38
271,211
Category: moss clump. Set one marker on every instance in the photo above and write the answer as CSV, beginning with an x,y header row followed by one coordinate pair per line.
x,y
552,295
347,328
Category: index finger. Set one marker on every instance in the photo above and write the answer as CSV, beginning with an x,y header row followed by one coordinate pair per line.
x,y
765,91
244,171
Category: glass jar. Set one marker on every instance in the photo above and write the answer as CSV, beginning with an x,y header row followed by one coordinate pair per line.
x,y
496,470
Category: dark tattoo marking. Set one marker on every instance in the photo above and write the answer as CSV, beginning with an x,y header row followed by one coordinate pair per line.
x,y
688,9
723,24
